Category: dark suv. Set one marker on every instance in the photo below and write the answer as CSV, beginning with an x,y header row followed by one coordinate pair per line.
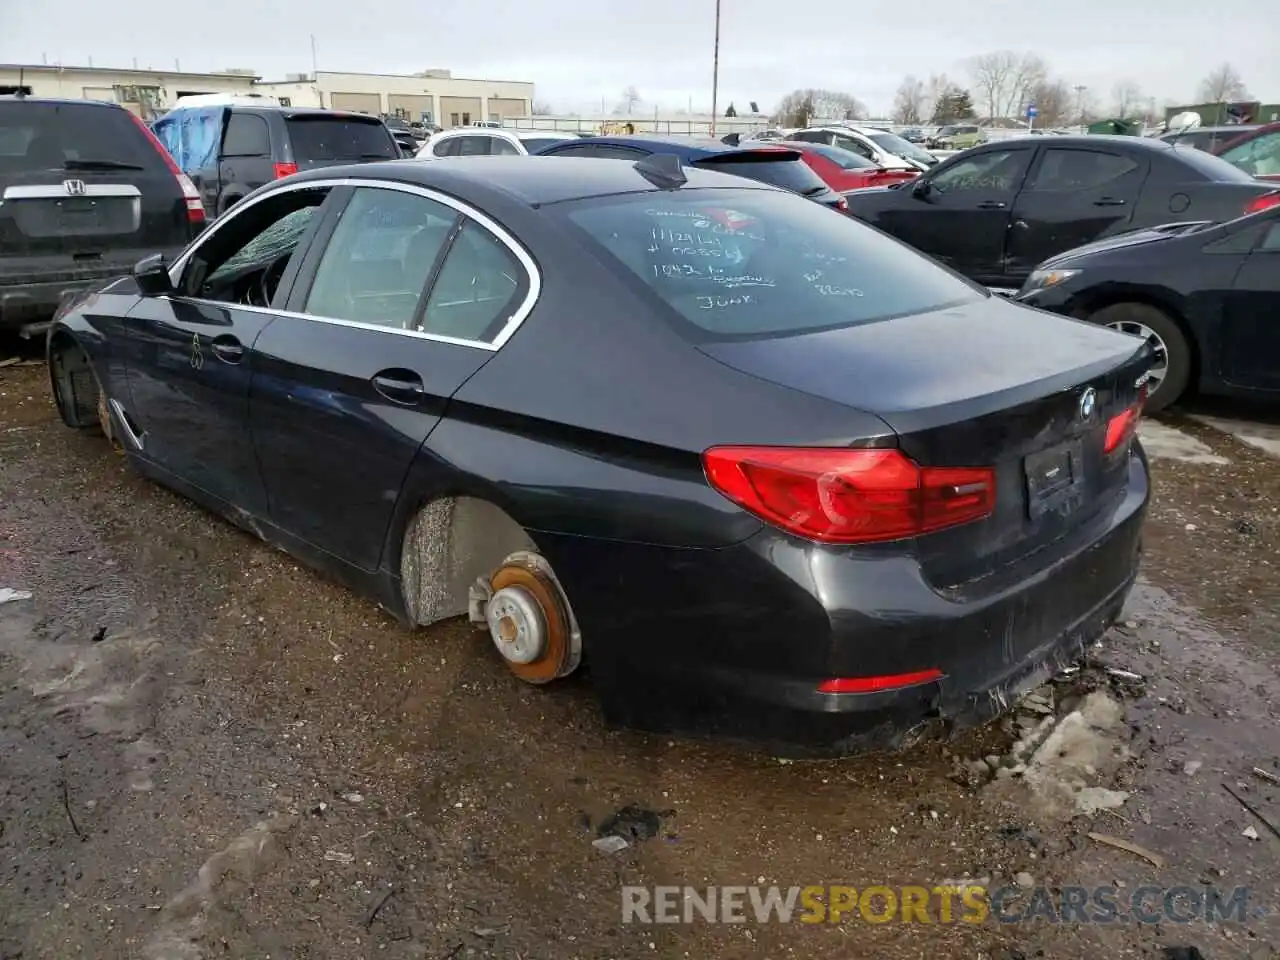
x,y
85,192
257,144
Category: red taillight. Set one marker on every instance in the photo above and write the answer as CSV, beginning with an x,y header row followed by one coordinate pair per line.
x,y
285,170
1264,202
1121,428
849,496
190,195
894,681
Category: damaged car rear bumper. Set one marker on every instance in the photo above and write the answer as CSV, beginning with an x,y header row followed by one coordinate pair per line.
x,y
742,643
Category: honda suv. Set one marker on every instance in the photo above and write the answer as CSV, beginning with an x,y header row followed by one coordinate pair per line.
x,y
86,191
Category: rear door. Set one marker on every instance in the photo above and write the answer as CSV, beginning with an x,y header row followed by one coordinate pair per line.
x,y
83,192
327,139
1251,331
1073,196
394,309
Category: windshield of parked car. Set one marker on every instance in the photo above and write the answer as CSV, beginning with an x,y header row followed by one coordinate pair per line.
x,y
901,148
1258,157
845,159
737,264
72,136
1209,166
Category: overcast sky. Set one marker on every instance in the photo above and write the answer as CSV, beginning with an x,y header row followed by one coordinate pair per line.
x,y
583,52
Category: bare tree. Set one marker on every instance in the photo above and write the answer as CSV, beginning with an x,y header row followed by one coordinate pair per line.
x,y
542,109
1127,99
1223,83
991,73
908,105
1029,72
1055,102
628,102
934,91
799,107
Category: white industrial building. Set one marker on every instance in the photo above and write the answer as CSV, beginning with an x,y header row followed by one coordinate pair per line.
x,y
433,96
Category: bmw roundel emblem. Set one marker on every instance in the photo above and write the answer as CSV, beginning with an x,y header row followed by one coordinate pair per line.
x,y
1088,400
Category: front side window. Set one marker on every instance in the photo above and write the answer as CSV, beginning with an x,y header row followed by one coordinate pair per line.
x,y
999,171
243,259
854,146
376,265
734,264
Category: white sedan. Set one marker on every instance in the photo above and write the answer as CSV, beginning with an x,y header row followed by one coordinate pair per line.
x,y
488,142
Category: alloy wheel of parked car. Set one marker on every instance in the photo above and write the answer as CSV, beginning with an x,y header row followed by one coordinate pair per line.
x,y
1172,371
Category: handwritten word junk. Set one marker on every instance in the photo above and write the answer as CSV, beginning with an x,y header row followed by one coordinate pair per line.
x,y
719,303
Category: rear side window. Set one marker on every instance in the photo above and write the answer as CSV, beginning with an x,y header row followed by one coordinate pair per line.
x,y
70,136
1080,169
735,264
534,144
339,138
246,136
791,174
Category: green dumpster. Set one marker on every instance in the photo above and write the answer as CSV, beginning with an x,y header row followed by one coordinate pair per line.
x,y
1119,128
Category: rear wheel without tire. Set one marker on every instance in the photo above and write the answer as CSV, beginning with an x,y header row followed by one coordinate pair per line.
x,y
529,624
1172,372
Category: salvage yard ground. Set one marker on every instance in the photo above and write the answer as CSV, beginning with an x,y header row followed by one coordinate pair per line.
x,y
208,751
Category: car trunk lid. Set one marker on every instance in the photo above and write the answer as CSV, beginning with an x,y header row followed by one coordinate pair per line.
x,y
79,181
991,384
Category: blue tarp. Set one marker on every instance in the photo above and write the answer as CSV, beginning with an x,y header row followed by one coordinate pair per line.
x,y
192,136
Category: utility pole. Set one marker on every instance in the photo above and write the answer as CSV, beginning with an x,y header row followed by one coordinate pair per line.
x,y
313,56
715,72
1080,88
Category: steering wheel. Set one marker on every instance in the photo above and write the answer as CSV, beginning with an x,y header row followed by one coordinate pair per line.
x,y
270,279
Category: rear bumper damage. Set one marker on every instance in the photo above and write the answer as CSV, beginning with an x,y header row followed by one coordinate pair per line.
x,y
735,642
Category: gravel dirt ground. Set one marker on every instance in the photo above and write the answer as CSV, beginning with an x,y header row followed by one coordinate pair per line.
x,y
209,751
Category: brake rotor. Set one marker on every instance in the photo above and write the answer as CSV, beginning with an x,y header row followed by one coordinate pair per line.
x,y
529,624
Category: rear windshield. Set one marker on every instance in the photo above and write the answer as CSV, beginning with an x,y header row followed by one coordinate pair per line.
x,y
844,159
1209,166
70,136
534,144
899,147
736,264
339,138
789,174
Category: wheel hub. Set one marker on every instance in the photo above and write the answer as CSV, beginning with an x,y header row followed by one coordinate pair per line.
x,y
517,625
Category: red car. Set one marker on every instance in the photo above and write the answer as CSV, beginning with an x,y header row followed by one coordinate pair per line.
x,y
843,169
1256,152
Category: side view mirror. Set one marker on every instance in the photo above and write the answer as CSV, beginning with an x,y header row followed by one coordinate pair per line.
x,y
921,189
152,276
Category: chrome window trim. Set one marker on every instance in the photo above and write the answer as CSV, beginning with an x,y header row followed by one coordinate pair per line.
x,y
518,315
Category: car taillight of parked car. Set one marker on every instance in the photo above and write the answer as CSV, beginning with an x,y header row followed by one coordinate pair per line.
x,y
190,195
283,170
1264,202
849,496
1124,425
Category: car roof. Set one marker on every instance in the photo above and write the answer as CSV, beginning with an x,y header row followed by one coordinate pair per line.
x,y
298,111
60,101
532,134
532,180
691,147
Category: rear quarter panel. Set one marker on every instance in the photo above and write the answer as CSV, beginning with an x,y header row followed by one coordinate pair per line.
x,y
591,420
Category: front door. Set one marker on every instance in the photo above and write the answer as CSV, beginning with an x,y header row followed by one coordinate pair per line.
x,y
1251,335
1074,196
190,356
397,307
962,218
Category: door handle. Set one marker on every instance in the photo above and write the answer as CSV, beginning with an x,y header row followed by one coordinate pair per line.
x,y
228,349
1109,202
991,205
399,386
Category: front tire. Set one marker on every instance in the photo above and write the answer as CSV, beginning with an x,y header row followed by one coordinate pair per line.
x,y
1172,372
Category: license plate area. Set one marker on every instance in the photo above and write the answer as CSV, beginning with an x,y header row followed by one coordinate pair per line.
x,y
1055,480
